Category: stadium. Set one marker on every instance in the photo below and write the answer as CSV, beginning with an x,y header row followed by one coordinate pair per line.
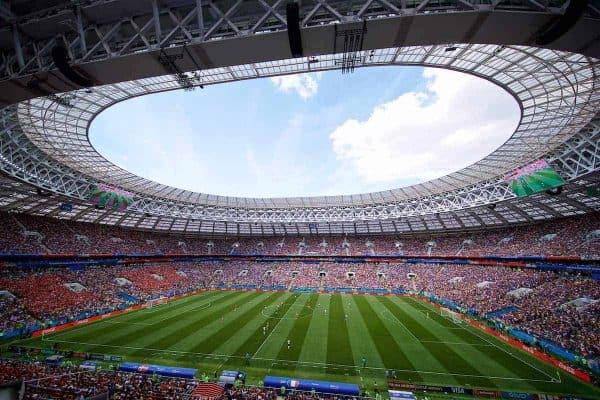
x,y
481,281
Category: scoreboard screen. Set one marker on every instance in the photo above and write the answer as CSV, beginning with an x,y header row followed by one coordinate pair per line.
x,y
104,196
534,178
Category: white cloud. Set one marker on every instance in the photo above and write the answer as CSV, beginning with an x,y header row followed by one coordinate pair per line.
x,y
305,85
421,135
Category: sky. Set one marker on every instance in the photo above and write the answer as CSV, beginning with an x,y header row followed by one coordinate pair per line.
x,y
311,134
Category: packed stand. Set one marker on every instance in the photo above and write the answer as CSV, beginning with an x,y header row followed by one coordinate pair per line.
x,y
38,235
53,382
542,311
43,381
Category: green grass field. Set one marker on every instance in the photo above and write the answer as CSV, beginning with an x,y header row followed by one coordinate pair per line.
x,y
329,334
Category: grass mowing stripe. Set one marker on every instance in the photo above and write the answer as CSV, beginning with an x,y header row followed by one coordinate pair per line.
x,y
361,346
229,329
168,334
96,334
339,350
130,335
434,314
314,347
136,337
258,338
282,327
390,352
513,365
297,335
310,334
422,360
101,330
444,354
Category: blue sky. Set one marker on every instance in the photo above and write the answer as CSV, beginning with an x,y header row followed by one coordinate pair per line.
x,y
311,134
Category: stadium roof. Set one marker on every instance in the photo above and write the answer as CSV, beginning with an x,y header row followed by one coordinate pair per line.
x,y
45,141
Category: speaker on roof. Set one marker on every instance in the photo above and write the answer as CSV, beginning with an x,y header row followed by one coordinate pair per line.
x,y
292,13
555,191
43,193
562,24
60,56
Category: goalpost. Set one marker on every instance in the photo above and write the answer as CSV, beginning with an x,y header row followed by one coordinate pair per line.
x,y
155,302
451,315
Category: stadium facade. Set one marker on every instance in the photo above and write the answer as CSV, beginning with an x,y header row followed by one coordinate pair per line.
x,y
119,51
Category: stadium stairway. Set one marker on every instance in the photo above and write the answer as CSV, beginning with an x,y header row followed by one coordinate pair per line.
x,y
291,285
500,312
128,298
208,391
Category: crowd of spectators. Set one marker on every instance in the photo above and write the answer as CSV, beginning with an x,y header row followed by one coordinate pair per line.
x,y
28,234
45,381
542,310
14,315
547,312
53,294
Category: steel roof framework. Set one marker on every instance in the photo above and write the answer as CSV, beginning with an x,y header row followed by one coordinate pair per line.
x,y
20,197
43,141
557,92
94,30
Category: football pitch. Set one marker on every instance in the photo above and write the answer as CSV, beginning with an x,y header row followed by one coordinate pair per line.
x,y
363,339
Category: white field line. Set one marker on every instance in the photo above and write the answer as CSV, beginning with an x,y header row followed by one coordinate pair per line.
x,y
553,379
288,362
154,308
198,308
395,319
474,331
457,343
174,303
425,312
274,328
227,359
111,322
126,323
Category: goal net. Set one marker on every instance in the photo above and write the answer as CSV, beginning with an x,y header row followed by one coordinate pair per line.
x,y
155,302
451,315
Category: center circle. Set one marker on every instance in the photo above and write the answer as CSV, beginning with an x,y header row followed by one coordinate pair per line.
x,y
279,311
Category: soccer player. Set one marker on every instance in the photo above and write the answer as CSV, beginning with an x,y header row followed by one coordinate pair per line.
x,y
264,330
364,361
289,344
247,358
